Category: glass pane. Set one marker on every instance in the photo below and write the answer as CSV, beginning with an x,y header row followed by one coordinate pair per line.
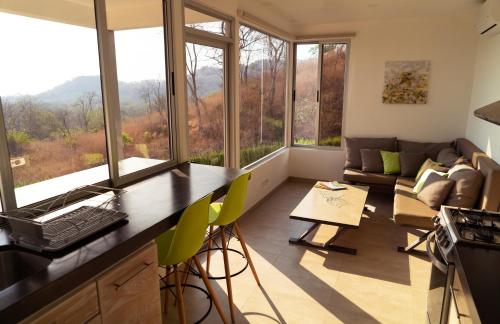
x,y
51,92
306,85
205,80
262,94
332,94
201,21
140,60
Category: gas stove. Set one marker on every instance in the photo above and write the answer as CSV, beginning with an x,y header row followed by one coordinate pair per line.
x,y
456,226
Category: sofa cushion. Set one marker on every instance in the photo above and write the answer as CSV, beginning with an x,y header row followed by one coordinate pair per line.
x,y
447,157
408,210
371,161
358,176
406,181
431,150
411,163
435,190
355,144
468,183
427,173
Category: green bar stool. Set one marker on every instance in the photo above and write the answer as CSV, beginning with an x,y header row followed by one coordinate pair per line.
x,y
226,214
181,244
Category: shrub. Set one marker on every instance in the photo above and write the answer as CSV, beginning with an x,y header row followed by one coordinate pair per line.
x,y
210,158
331,141
16,140
253,153
127,139
304,141
93,159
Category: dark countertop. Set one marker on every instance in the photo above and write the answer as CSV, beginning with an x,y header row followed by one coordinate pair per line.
x,y
153,206
480,269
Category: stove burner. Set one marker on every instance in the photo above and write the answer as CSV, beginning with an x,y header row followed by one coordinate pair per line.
x,y
484,235
474,226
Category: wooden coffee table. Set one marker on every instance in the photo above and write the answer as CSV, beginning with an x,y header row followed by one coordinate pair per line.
x,y
342,208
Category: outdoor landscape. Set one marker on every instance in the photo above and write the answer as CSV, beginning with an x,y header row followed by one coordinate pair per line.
x,y
68,121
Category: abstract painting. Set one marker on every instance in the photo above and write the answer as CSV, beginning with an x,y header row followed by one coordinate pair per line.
x,y
406,82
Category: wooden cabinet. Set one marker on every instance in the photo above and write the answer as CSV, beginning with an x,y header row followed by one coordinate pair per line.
x,y
130,292
459,309
79,307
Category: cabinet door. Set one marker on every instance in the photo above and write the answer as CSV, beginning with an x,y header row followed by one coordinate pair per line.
x,y
130,291
80,307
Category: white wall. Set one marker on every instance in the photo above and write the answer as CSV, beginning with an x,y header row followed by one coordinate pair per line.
x,y
267,176
448,42
485,90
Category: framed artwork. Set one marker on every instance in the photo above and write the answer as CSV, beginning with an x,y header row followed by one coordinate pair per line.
x,y
406,82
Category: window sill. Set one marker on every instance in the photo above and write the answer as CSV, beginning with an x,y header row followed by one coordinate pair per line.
x,y
321,148
265,158
43,190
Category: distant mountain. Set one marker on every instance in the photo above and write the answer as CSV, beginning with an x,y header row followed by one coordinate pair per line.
x,y
70,91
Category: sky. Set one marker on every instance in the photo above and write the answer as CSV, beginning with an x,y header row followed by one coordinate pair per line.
x,y
37,55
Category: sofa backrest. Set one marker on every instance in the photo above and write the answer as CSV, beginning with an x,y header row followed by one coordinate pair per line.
x,y
490,196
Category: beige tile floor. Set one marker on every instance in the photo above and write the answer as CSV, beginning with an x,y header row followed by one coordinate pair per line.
x,y
305,285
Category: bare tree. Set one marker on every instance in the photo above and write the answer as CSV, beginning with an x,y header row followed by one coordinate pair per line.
x,y
154,95
249,38
86,104
275,59
193,53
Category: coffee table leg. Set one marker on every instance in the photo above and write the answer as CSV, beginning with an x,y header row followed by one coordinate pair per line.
x,y
328,245
300,239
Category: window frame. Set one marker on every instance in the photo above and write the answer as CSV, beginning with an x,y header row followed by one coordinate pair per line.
x,y
226,43
319,78
111,112
287,101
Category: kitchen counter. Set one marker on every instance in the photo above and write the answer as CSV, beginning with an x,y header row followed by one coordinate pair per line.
x,y
153,206
479,269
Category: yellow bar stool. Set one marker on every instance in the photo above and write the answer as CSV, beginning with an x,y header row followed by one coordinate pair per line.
x,y
225,215
180,245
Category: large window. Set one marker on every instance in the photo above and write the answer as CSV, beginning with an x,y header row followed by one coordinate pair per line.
x,y
140,59
51,97
55,112
262,94
205,79
319,87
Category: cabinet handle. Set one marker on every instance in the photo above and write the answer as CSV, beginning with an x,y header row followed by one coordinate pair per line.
x,y
144,266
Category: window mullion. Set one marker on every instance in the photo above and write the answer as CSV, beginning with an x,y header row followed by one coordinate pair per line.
x,y
6,177
109,84
318,93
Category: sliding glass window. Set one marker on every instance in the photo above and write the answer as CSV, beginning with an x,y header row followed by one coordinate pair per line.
x,y
50,90
139,37
263,61
57,118
319,91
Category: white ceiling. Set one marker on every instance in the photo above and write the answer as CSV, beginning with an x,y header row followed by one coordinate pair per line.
x,y
312,12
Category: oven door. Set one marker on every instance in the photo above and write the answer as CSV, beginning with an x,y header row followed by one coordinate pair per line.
x,y
438,297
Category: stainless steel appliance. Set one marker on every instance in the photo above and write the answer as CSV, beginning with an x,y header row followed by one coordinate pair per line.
x,y
453,227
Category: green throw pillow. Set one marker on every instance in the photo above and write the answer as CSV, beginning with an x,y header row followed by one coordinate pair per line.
x,y
391,162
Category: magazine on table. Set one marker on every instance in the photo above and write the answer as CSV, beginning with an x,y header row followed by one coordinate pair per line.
x,y
330,185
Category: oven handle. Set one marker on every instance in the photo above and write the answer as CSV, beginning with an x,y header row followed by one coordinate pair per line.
x,y
438,264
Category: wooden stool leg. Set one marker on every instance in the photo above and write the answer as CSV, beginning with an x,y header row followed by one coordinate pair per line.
x,y
228,274
209,246
210,289
165,309
180,300
245,250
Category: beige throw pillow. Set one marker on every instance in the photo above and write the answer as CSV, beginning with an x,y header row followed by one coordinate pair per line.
x,y
468,183
435,191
